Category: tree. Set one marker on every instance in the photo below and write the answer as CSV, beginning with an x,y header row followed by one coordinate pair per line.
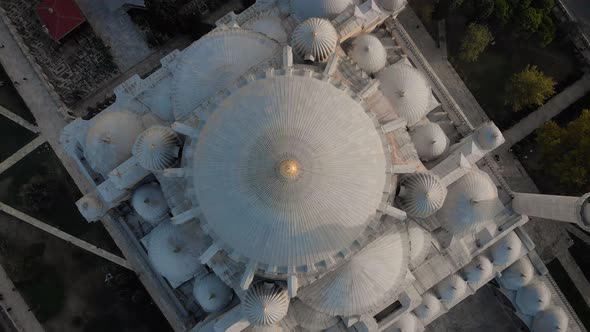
x,y
529,19
502,11
476,39
478,10
530,87
565,152
546,32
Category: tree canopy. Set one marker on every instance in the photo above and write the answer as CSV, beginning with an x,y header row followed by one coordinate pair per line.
x,y
565,152
476,39
530,87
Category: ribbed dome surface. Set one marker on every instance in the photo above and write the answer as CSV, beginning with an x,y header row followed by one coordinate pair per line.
x,y
452,288
430,141
420,243
429,308
211,293
174,253
311,319
271,26
478,270
406,323
265,304
149,202
305,9
392,5
408,91
71,133
110,139
552,319
315,39
518,274
422,194
288,172
507,250
214,61
157,148
533,298
369,53
489,136
364,282
470,202
90,207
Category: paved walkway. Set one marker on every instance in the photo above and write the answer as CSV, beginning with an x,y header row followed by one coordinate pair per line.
x,y
20,154
15,118
546,112
20,314
115,28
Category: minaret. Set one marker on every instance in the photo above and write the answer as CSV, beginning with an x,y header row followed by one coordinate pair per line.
x,y
562,208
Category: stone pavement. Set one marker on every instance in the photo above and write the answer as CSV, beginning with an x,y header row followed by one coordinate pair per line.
x,y
17,119
115,28
20,313
21,153
546,112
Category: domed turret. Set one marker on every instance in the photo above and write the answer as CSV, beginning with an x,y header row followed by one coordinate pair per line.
x,y
329,9
157,148
489,136
552,319
211,293
451,289
149,202
422,194
406,323
265,304
311,319
369,53
315,39
430,141
518,274
392,5
478,270
429,308
91,207
533,298
507,250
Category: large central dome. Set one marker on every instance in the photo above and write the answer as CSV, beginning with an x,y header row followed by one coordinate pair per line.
x,y
288,171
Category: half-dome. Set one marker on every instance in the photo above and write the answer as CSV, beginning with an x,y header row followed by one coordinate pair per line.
x,y
470,202
421,194
157,148
364,282
429,308
271,26
489,136
110,138
518,274
315,39
368,52
149,202
304,9
72,134
286,185
392,5
552,319
479,270
406,323
451,289
91,207
310,319
265,304
506,250
420,243
533,298
408,91
212,293
429,140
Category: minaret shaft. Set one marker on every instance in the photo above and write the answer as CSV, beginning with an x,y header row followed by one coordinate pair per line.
x,y
562,208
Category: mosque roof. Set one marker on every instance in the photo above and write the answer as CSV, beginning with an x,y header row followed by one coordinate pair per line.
x,y
506,250
533,298
422,194
270,26
149,202
300,168
406,323
211,293
489,136
518,274
310,319
480,269
452,288
392,5
304,9
552,319
368,52
429,140
265,304
315,39
420,243
157,148
429,307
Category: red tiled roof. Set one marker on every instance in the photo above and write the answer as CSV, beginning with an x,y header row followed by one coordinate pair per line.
x,y
59,17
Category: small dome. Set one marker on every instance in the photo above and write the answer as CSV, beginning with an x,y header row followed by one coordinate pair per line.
x,y
91,207
315,39
329,9
470,202
211,293
489,136
507,250
174,253
478,270
552,319
265,304
430,141
422,194
110,139
271,26
157,148
586,213
429,308
149,202
264,328
392,5
451,289
518,274
71,133
369,53
408,91
310,319
420,243
533,298
406,323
